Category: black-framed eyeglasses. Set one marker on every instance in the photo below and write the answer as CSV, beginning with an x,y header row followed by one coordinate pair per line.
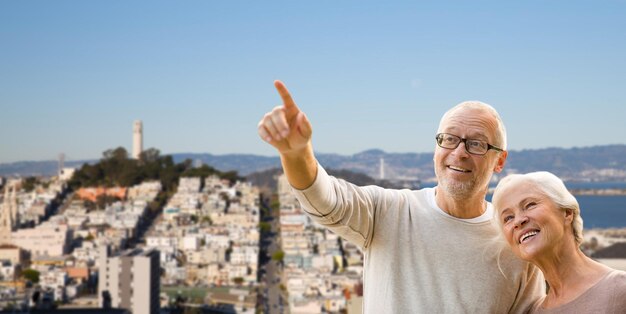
x,y
474,147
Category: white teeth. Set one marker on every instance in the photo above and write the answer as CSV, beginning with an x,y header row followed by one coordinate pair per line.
x,y
458,169
527,236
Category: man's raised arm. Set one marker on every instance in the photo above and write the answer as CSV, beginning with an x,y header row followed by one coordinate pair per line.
x,y
289,131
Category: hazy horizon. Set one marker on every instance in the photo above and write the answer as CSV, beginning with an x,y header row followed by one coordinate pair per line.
x,y
276,154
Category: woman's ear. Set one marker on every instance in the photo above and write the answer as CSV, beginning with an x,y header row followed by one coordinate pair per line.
x,y
569,215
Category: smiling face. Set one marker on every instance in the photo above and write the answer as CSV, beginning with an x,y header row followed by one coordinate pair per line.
x,y
533,225
461,174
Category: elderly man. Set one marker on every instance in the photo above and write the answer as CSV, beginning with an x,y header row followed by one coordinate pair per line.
x,y
433,250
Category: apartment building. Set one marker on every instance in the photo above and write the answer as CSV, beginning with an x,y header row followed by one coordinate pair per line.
x,y
129,280
48,239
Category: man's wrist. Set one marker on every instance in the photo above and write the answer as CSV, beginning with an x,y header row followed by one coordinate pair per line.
x,y
305,152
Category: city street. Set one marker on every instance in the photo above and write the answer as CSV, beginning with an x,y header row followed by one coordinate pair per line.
x,y
273,296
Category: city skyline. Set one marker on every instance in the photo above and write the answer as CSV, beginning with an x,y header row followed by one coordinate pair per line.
x,y
75,75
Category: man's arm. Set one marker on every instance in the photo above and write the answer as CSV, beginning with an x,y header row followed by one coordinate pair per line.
x,y
345,208
289,131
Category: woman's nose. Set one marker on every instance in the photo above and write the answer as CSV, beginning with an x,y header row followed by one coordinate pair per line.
x,y
520,220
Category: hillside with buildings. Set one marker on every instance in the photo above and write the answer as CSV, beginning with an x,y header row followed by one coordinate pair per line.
x,y
117,233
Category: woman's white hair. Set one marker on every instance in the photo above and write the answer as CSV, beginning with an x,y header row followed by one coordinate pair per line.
x,y
553,188
500,135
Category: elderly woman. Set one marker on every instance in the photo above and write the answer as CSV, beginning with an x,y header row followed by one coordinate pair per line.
x,y
541,222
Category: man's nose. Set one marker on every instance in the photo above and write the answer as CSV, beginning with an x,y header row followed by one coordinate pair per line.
x,y
461,149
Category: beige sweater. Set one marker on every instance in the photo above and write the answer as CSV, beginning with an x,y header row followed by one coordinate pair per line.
x,y
608,296
418,259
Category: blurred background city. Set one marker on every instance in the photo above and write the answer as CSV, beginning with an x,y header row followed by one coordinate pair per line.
x,y
132,178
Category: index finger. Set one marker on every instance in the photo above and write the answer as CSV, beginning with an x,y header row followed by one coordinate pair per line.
x,y
284,94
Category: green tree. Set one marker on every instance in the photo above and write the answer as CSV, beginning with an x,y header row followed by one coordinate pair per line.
x,y
265,227
238,280
202,172
275,205
278,256
207,220
102,201
89,205
31,275
150,155
231,176
116,169
117,154
29,183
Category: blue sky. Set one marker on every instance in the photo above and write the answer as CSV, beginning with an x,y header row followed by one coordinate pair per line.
x,y
74,75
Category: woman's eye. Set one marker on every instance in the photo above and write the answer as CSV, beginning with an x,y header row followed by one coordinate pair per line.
x,y
508,218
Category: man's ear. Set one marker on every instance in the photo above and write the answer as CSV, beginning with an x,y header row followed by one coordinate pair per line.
x,y
501,162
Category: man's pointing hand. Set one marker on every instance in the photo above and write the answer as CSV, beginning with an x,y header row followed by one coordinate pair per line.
x,y
285,127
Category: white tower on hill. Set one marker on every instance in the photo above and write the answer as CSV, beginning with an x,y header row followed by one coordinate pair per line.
x,y
137,138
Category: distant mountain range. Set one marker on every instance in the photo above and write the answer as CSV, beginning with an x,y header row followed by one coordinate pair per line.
x,y
597,163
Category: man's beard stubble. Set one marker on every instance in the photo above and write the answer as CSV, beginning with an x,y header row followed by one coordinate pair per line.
x,y
458,190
